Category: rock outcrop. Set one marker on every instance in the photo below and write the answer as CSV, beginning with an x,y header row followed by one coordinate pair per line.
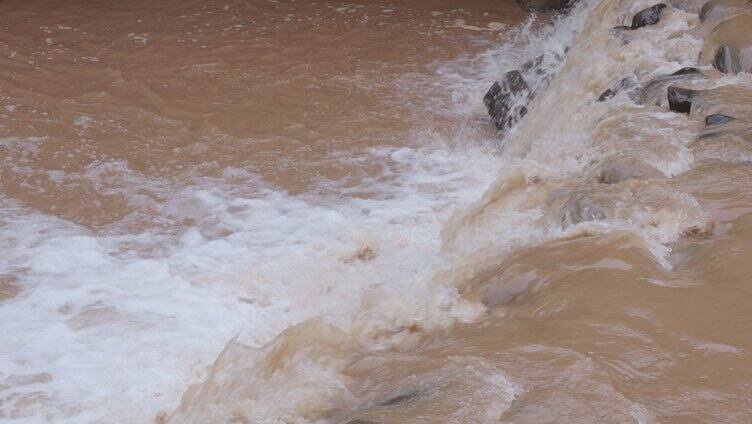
x,y
546,5
507,99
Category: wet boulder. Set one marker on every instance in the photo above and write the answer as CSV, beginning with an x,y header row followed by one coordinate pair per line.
x,y
649,16
654,91
506,100
680,99
546,5
729,46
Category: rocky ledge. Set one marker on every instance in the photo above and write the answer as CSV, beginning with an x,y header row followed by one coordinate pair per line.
x,y
726,27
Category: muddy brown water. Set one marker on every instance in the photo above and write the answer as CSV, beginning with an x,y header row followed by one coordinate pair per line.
x,y
572,297
183,89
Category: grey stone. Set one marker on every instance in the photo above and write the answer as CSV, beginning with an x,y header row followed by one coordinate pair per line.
x,y
680,99
649,16
718,119
506,100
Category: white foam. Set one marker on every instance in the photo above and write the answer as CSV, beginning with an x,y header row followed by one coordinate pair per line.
x,y
124,322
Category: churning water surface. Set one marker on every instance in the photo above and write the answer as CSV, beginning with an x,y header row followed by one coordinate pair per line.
x,y
299,212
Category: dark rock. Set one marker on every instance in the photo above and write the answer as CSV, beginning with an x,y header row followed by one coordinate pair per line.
x,y
609,93
654,91
545,5
645,17
400,399
623,84
687,71
506,100
724,62
649,16
705,12
680,99
718,119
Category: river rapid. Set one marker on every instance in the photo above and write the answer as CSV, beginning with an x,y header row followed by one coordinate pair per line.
x,y
299,212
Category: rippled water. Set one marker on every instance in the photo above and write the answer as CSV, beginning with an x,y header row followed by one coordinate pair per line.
x,y
299,212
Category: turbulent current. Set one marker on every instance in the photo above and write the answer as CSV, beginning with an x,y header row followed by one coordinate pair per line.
x,y
299,212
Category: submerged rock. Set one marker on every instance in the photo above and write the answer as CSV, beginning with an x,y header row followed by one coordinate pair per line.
x,y
623,84
653,92
718,119
723,126
729,46
609,93
680,99
506,100
724,62
691,6
649,16
616,169
544,5
403,398
687,71
717,8
622,28
581,209
728,100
